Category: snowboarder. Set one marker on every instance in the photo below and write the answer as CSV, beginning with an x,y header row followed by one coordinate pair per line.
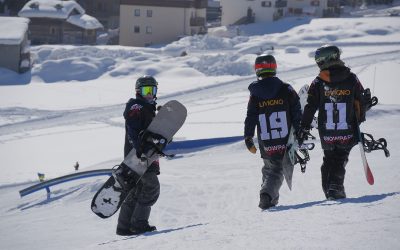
x,y
273,108
144,191
338,95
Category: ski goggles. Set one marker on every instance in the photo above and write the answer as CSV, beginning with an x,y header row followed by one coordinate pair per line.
x,y
148,90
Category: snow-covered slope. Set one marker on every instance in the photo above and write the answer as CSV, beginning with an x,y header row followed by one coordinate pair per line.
x,y
69,108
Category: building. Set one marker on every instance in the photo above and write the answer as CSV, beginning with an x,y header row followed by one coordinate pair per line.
x,y
59,22
147,22
317,8
235,12
14,44
106,11
213,11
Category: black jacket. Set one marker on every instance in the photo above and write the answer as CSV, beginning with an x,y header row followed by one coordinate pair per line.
x,y
273,108
337,94
138,115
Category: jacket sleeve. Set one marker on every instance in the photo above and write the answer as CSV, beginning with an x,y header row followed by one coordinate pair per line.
x,y
250,122
311,106
133,124
295,108
359,104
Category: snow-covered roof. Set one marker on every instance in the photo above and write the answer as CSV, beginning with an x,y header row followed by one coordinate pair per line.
x,y
57,9
85,21
50,9
14,35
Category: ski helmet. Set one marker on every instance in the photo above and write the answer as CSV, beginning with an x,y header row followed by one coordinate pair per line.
x,y
146,83
327,55
265,65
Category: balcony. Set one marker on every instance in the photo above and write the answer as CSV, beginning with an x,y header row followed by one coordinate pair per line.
x,y
333,3
280,4
197,21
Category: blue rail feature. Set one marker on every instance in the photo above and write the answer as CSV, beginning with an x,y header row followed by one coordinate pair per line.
x,y
182,147
62,179
178,147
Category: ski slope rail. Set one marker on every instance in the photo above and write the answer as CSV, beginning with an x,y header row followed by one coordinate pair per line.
x,y
189,146
179,147
75,176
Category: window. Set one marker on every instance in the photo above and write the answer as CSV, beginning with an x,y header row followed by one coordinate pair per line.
x,y
266,4
315,3
136,29
137,12
52,30
149,30
149,13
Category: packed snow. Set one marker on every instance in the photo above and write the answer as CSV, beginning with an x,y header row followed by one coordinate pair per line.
x,y
68,108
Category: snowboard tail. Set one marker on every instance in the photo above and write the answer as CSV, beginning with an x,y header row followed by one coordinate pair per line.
x,y
109,197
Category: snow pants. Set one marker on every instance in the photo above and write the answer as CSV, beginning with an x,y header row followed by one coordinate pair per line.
x,y
137,205
272,178
333,168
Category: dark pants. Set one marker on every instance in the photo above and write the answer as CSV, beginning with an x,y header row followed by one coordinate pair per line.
x,y
137,205
272,178
333,168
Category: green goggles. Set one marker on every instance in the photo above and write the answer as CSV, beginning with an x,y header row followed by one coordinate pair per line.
x,y
148,90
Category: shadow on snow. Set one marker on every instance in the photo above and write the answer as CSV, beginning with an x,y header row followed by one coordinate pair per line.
x,y
47,201
362,199
153,233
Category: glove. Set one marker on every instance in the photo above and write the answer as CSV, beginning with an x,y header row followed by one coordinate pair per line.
x,y
302,135
250,144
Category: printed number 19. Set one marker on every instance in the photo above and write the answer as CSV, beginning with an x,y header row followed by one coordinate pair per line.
x,y
277,123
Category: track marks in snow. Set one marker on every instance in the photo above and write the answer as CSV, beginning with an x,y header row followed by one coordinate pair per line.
x,y
48,119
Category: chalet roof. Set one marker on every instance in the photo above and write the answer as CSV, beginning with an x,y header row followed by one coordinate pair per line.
x,y
50,9
16,34
70,11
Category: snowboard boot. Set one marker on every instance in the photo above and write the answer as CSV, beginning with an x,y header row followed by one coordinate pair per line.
x,y
126,177
124,232
265,201
335,192
141,227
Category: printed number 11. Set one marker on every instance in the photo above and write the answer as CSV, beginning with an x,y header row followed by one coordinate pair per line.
x,y
330,110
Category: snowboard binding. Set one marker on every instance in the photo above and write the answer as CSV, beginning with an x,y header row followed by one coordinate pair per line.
x,y
150,144
370,144
369,100
301,154
302,157
125,177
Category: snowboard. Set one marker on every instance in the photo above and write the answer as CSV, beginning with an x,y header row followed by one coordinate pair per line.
x,y
289,158
367,171
168,120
